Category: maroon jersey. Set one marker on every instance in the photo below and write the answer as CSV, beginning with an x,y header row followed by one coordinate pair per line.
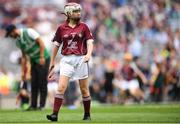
x,y
128,72
74,40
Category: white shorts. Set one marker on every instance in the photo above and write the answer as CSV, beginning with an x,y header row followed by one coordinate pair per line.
x,y
74,67
129,85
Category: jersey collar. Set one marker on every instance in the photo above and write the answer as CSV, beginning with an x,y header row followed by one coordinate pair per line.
x,y
67,22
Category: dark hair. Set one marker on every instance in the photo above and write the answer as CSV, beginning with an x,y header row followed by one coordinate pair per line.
x,y
9,29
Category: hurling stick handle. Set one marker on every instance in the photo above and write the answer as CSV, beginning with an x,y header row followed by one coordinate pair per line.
x,y
51,68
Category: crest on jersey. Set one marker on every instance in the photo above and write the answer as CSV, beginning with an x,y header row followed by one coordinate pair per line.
x,y
65,36
80,35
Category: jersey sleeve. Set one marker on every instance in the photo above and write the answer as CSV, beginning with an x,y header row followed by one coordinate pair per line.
x,y
33,34
57,38
88,34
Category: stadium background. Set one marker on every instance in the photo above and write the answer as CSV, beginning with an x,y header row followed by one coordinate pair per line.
x,y
148,29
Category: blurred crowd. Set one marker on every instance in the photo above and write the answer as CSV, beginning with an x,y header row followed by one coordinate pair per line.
x,y
137,44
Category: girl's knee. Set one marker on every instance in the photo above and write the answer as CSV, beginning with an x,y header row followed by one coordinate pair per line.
x,y
85,92
61,89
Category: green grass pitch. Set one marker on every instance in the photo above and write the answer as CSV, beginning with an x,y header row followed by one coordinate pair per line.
x,y
100,114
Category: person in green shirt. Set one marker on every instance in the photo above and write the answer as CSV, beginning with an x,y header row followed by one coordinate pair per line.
x,y
32,47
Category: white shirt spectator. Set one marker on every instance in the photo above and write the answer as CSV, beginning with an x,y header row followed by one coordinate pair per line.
x,y
135,48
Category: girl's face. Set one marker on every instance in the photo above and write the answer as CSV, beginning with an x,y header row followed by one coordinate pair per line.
x,y
76,15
